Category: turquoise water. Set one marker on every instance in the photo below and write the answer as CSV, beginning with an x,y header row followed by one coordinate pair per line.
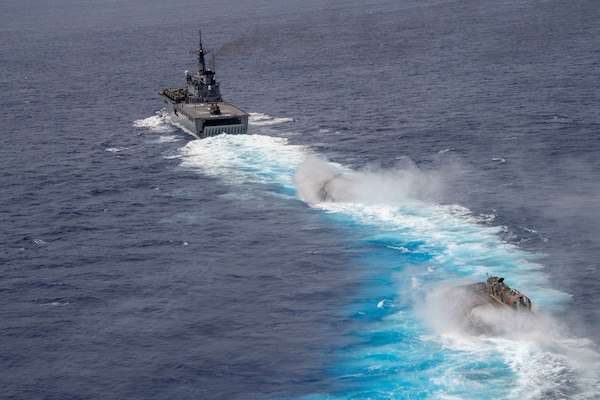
x,y
403,342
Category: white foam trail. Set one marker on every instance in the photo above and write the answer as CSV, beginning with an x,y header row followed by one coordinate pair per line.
x,y
552,368
244,158
395,202
169,139
158,123
400,204
115,149
259,119
545,361
56,303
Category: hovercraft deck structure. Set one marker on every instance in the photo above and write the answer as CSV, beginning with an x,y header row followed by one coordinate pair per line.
x,y
492,307
495,292
199,108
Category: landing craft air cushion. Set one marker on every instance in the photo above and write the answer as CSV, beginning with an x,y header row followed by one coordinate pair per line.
x,y
492,297
199,108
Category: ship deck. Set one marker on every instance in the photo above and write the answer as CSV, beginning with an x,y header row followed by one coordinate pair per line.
x,y
481,295
201,110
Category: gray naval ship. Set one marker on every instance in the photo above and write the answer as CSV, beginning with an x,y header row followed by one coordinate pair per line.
x,y
199,108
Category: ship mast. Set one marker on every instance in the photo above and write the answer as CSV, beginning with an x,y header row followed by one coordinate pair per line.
x,y
202,87
201,52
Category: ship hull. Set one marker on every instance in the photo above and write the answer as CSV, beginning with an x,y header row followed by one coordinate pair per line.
x,y
197,119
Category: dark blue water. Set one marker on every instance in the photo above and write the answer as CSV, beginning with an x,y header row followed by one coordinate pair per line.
x,y
140,263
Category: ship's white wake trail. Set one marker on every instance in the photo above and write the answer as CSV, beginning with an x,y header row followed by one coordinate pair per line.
x,y
318,180
158,123
415,242
259,119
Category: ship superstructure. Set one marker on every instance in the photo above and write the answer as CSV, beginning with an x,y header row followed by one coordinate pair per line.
x,y
199,107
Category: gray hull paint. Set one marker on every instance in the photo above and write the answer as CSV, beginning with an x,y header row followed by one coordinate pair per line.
x,y
197,119
180,120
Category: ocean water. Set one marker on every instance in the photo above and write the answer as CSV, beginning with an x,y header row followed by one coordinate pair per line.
x,y
396,150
